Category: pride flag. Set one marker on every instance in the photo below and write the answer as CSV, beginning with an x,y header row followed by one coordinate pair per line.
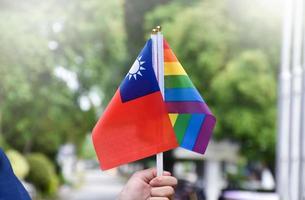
x,y
139,122
190,116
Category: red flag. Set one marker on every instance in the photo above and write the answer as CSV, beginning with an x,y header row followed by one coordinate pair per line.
x,y
135,124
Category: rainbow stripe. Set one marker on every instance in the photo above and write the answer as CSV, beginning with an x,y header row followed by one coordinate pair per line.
x,y
190,116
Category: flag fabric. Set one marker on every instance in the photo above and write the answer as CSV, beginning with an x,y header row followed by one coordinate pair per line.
x,y
10,187
135,123
190,116
140,122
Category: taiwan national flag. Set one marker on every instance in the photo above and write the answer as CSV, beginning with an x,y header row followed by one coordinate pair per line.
x,y
136,123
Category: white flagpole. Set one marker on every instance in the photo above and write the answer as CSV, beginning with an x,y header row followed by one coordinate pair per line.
x,y
161,85
296,91
284,101
158,65
302,137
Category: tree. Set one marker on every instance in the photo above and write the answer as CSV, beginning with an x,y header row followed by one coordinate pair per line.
x,y
201,40
220,45
39,112
92,44
134,14
245,95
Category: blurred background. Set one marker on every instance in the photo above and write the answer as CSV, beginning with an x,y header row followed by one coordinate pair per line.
x,y
62,60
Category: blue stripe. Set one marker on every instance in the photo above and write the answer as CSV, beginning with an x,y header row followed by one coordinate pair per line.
x,y
192,131
182,94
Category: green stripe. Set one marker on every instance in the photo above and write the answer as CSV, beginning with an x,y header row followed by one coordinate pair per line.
x,y
178,81
181,126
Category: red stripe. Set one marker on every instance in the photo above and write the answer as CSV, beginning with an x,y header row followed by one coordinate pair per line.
x,y
165,44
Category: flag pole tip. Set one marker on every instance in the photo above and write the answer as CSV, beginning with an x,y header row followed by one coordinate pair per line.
x,y
158,28
154,31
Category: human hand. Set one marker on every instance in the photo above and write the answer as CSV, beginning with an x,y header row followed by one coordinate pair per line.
x,y
145,185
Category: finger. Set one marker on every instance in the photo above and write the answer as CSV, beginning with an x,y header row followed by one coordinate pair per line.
x,y
165,191
147,174
165,173
158,198
163,181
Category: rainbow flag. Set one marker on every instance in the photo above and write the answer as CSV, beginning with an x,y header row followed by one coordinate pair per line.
x,y
190,116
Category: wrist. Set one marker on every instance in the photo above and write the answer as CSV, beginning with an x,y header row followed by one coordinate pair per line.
x,y
125,194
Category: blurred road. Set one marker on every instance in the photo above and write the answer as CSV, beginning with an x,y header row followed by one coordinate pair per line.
x,y
97,185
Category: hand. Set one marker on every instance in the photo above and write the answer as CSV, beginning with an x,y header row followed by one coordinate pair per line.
x,y
145,185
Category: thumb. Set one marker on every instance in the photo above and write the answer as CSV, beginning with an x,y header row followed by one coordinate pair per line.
x,y
148,174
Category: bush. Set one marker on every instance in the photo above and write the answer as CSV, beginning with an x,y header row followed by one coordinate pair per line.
x,y
19,163
42,174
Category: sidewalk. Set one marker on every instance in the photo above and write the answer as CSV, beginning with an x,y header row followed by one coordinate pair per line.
x,y
97,185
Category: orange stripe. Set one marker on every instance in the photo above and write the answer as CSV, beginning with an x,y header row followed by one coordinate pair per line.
x,y
169,56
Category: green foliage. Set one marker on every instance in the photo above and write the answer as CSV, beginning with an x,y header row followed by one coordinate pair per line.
x,y
36,106
246,92
33,100
42,174
19,163
87,149
134,18
201,40
230,49
94,47
3,143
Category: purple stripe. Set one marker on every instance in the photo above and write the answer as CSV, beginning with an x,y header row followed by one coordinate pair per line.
x,y
188,107
204,134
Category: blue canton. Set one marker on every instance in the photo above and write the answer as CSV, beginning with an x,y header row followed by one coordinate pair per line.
x,y
144,84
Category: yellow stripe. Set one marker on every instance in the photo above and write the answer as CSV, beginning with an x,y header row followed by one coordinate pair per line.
x,y
173,118
173,68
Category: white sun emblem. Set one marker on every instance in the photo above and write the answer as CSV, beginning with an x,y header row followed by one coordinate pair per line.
x,y
136,69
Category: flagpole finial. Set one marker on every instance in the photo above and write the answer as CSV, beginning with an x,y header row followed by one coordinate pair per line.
x,y
154,31
158,28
